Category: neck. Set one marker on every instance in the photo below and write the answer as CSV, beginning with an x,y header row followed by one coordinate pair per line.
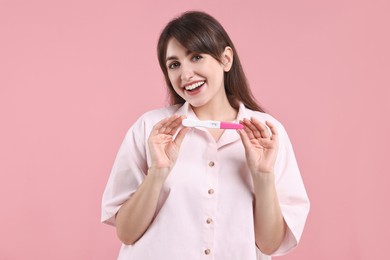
x,y
217,109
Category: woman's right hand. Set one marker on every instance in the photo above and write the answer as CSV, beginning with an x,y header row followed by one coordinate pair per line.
x,y
136,214
163,148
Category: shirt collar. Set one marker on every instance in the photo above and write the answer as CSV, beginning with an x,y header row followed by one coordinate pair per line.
x,y
186,110
242,112
228,136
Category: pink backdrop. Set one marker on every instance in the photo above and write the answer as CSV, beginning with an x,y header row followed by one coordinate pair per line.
x,y
74,75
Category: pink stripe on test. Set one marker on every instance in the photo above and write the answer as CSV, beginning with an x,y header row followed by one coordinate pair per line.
x,y
226,125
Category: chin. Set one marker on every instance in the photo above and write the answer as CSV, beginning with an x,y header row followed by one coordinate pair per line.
x,y
194,103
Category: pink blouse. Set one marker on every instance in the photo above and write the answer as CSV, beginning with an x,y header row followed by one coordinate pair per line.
x,y
205,210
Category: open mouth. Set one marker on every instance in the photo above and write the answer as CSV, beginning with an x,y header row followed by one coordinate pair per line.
x,y
194,86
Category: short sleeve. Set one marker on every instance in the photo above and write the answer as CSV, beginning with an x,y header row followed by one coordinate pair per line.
x,y
128,172
291,192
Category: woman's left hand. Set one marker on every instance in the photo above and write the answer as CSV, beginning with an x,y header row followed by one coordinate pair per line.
x,y
261,147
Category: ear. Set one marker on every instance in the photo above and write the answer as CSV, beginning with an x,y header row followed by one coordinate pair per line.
x,y
227,59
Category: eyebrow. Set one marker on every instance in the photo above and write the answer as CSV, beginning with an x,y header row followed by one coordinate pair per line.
x,y
175,58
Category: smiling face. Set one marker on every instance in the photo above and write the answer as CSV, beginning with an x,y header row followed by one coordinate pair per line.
x,y
197,77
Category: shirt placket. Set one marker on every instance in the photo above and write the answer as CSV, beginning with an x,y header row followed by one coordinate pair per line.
x,y
211,195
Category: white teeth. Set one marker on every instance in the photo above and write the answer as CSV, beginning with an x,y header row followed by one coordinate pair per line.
x,y
195,85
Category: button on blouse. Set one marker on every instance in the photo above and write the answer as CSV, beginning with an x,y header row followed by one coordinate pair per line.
x,y
206,205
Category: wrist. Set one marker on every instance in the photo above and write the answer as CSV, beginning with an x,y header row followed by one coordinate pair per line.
x,y
158,173
263,179
263,174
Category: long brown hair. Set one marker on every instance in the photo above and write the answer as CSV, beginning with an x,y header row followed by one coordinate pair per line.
x,y
201,33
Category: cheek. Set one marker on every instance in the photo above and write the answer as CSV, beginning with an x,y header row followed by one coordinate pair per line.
x,y
215,69
174,81
173,78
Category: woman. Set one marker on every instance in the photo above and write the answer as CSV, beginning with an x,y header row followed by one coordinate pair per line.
x,y
176,192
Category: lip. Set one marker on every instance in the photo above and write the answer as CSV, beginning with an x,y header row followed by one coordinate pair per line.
x,y
192,82
196,91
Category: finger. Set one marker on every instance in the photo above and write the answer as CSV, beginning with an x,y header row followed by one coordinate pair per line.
x,y
247,130
180,136
274,131
157,127
161,123
261,127
254,127
161,127
174,125
251,129
244,138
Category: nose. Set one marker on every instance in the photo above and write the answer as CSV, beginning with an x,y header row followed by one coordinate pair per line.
x,y
187,73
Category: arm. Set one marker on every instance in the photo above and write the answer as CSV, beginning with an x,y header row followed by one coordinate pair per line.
x,y
261,150
136,214
270,227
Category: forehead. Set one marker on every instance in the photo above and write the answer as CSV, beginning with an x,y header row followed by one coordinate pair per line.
x,y
174,48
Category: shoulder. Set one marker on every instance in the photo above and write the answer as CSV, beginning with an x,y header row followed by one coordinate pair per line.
x,y
153,116
159,113
262,116
147,120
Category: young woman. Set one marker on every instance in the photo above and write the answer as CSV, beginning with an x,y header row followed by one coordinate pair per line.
x,y
195,193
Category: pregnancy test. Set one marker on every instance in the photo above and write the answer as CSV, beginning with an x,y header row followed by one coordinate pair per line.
x,y
210,124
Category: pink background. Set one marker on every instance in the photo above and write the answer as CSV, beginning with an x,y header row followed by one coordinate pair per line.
x,y
74,75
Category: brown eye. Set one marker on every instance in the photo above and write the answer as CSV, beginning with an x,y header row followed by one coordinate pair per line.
x,y
173,65
196,57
